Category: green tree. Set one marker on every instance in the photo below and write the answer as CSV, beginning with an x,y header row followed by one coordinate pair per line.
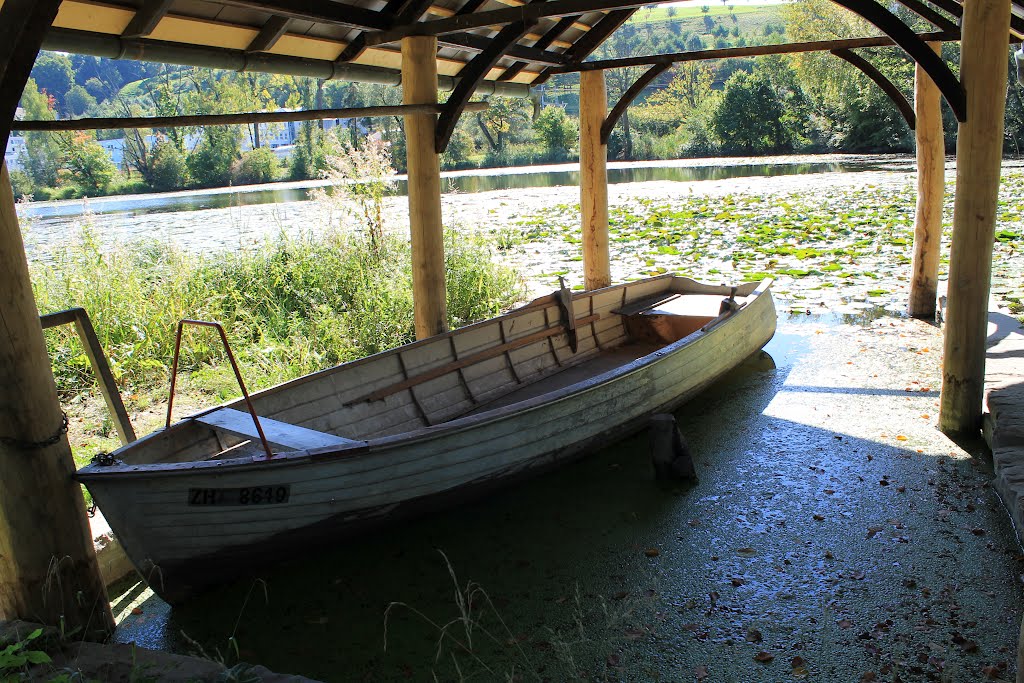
x,y
168,169
557,131
259,165
210,162
852,112
87,164
54,74
78,100
41,158
748,118
669,108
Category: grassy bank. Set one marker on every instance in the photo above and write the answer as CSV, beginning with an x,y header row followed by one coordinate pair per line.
x,y
290,307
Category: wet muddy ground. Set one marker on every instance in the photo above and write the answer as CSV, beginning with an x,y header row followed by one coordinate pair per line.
x,y
834,535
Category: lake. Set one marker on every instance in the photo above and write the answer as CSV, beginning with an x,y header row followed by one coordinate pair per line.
x,y
222,218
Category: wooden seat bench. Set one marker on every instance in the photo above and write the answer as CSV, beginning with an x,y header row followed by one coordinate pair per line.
x,y
281,434
666,318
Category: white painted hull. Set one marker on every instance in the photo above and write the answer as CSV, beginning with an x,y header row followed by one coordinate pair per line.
x,y
181,546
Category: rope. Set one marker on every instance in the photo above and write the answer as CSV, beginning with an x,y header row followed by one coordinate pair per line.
x,y
22,445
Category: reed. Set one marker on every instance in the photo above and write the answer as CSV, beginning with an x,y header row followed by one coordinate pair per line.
x,y
291,306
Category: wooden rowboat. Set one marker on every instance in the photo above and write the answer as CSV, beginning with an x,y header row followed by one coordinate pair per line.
x,y
418,426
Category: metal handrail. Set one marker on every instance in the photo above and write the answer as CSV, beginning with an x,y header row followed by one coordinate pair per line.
x,y
98,360
234,366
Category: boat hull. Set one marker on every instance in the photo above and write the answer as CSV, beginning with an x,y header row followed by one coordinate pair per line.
x,y
181,544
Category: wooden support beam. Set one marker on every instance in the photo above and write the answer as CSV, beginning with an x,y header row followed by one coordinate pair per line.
x,y
478,43
881,81
98,362
470,77
146,18
269,34
979,151
419,86
957,10
545,41
628,97
892,26
926,12
48,568
931,186
747,51
586,45
120,123
499,17
406,11
594,181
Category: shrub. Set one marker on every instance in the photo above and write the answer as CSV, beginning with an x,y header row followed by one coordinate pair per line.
x,y
169,168
260,165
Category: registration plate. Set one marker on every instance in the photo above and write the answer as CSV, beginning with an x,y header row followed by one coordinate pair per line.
x,y
249,495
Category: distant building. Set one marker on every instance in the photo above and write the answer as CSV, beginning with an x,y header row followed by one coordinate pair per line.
x,y
14,151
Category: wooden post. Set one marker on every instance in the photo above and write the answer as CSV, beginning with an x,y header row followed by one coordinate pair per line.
x,y
931,185
594,181
978,160
419,86
48,569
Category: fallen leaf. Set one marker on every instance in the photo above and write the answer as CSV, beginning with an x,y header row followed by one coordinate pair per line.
x,y
701,672
901,437
747,551
136,610
872,530
754,636
652,552
868,677
763,656
844,623
858,575
736,581
819,518
978,532
614,659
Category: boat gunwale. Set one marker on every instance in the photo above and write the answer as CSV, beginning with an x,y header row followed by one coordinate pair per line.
x,y
373,447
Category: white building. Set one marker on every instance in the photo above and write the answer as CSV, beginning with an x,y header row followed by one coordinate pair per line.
x,y
13,153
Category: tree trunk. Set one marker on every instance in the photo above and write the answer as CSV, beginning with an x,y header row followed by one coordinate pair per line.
x,y
931,185
979,150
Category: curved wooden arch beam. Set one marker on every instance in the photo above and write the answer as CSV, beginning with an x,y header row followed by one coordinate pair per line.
x,y
932,63
470,77
628,97
884,83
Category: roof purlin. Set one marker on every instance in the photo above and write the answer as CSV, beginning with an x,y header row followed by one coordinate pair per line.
x,y
457,23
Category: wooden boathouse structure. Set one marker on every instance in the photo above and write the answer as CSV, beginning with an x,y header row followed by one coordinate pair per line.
x,y
48,571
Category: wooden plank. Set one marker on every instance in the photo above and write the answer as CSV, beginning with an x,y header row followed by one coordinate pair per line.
x,y
146,18
120,123
467,361
463,22
747,51
278,433
98,362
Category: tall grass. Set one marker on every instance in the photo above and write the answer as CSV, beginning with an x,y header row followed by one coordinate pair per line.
x,y
292,306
